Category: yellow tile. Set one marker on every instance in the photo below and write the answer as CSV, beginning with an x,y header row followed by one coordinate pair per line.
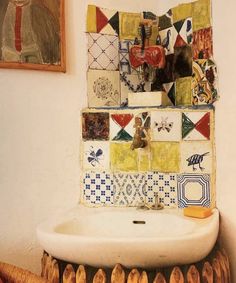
x,y
123,158
129,23
165,156
183,94
201,14
91,19
182,12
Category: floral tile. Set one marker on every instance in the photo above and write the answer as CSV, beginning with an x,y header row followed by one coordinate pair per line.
x,y
129,24
103,88
196,125
98,188
196,157
163,184
202,44
103,51
122,127
96,155
95,126
201,14
166,125
193,190
129,189
165,156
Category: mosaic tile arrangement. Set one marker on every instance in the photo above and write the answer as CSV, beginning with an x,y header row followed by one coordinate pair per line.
x,y
130,154
177,161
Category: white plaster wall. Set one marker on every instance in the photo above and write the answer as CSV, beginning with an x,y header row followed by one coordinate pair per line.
x,y
39,133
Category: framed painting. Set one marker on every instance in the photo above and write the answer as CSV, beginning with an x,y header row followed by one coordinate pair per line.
x,y
32,35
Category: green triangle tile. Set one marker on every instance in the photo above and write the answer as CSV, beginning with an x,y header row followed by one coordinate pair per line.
x,y
122,136
187,125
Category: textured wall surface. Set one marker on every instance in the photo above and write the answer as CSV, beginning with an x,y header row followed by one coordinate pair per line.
x,y
39,134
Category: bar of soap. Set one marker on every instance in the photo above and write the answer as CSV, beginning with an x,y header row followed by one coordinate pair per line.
x,y
197,211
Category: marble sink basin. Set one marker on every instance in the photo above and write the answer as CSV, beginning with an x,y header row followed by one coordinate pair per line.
x,y
102,237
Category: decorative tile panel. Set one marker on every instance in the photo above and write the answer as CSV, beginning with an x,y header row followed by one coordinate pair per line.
x,y
103,52
96,155
193,189
122,127
165,156
98,188
166,125
163,184
103,88
95,126
129,189
196,157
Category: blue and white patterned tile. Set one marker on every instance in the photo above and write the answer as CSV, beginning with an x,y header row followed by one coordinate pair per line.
x,y
129,189
163,184
193,190
97,188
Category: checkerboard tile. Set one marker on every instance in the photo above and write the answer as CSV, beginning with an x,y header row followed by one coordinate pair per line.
x,y
163,184
98,188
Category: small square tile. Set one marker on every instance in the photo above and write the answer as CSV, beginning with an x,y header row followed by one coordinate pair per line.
x,y
196,125
170,89
182,33
129,189
103,51
196,157
95,126
201,14
163,184
166,37
193,190
96,155
98,188
182,65
122,157
165,156
183,94
122,127
166,125
182,11
129,24
202,44
103,88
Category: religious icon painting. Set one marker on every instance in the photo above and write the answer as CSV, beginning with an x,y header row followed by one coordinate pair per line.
x,y
32,35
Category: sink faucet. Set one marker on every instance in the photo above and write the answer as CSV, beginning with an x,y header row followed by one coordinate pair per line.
x,y
157,205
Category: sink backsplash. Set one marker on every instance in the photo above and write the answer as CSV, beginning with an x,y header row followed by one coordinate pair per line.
x,y
177,160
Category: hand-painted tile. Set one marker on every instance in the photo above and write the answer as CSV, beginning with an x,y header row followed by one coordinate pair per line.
x,y
98,188
121,127
193,190
96,155
91,19
182,33
154,22
196,125
182,12
204,82
170,89
166,40
183,94
165,156
129,24
103,88
165,21
196,157
103,51
123,158
182,65
129,189
166,125
163,184
124,48
202,44
201,14
95,126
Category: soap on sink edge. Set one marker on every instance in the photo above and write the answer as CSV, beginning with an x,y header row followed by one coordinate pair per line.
x,y
197,211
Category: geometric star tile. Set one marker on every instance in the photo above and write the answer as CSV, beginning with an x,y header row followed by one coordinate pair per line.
x,y
129,189
196,125
102,51
98,188
196,157
165,185
193,190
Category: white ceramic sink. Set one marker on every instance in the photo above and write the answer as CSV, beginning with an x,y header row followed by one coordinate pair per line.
x,y
102,237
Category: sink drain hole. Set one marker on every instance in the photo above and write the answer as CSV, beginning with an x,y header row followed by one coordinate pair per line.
x,y
139,222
